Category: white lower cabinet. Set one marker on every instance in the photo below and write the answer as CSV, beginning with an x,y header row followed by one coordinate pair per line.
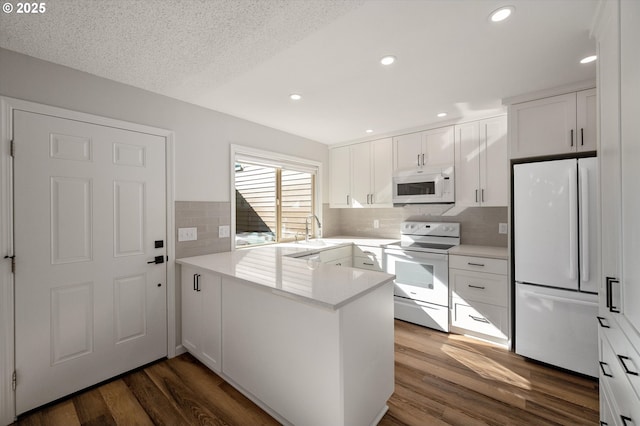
x,y
202,316
366,257
619,402
479,297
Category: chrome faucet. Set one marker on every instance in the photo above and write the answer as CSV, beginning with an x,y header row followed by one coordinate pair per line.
x,y
306,225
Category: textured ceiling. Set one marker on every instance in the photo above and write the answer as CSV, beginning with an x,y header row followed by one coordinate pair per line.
x,y
244,57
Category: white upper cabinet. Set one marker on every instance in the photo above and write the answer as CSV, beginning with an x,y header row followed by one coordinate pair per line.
x,y
481,163
361,175
630,155
423,149
555,125
340,172
382,170
407,150
586,120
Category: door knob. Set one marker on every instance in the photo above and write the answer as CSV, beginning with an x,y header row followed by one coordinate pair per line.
x,y
157,259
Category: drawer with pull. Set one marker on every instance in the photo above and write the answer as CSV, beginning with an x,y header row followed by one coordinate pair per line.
x,y
479,264
615,376
481,318
366,263
479,286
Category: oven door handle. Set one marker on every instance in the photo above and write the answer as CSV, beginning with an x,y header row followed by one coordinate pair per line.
x,y
415,255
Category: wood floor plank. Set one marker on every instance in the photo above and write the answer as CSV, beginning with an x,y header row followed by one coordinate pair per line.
x,y
184,399
92,410
124,407
63,413
230,403
32,419
441,379
155,403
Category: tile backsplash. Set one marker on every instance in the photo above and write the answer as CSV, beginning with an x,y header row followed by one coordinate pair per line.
x,y
478,225
206,216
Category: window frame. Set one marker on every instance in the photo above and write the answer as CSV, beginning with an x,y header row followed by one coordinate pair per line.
x,y
239,153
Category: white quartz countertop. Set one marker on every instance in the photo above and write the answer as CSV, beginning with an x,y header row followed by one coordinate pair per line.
x,y
480,251
275,269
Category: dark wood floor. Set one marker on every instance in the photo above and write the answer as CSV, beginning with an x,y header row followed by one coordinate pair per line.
x,y
440,380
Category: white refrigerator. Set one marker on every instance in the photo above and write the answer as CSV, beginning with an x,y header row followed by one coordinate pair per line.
x,y
555,215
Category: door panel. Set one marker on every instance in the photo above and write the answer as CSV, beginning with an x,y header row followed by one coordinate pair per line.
x,y
71,220
89,204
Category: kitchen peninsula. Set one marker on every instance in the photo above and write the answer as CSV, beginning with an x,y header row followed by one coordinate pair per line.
x,y
310,343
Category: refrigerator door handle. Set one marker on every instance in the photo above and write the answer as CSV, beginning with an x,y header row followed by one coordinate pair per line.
x,y
584,224
573,214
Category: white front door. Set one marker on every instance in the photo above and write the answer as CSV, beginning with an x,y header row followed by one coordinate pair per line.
x,y
89,209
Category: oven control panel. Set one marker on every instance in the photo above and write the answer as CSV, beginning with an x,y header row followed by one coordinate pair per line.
x,y
435,229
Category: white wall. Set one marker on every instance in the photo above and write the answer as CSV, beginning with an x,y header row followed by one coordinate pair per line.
x,y
202,139
202,136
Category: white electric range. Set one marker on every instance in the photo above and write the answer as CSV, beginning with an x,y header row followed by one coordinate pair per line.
x,y
420,263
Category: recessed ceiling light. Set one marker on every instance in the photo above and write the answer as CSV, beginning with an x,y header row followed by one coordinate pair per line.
x,y
501,14
442,114
369,131
295,97
588,59
387,60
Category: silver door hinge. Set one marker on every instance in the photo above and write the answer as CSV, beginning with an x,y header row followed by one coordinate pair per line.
x,y
12,148
14,381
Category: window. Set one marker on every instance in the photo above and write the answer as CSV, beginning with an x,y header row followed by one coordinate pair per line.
x,y
273,199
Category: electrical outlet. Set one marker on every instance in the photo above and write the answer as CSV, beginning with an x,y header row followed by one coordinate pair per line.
x,y
187,234
502,228
224,231
376,223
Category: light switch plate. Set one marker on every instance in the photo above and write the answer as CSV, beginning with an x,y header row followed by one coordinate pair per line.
x,y
187,234
502,228
376,223
224,231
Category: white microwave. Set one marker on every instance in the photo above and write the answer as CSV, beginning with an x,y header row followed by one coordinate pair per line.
x,y
424,186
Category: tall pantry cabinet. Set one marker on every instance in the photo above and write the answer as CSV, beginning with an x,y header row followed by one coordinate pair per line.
x,y
617,32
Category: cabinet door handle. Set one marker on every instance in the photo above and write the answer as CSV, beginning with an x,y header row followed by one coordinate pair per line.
x,y
603,325
371,198
475,264
481,287
571,137
368,264
418,160
476,195
194,282
626,419
582,136
423,159
198,282
610,305
604,372
482,195
622,359
479,319
347,199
